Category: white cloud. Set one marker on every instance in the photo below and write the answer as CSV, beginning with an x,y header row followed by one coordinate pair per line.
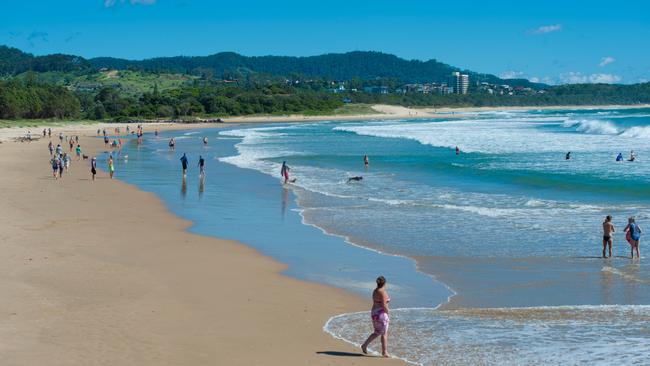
x,y
110,3
643,80
547,29
534,79
511,74
606,61
580,78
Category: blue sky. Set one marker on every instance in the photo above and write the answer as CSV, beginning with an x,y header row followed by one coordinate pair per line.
x,y
550,41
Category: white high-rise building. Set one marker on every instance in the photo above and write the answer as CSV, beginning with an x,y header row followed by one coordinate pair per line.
x,y
460,82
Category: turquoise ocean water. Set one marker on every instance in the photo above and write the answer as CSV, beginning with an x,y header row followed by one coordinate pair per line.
x,y
492,255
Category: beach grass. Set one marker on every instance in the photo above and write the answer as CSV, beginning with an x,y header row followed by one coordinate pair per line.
x,y
355,109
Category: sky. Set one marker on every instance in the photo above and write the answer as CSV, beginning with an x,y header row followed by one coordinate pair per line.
x,y
569,41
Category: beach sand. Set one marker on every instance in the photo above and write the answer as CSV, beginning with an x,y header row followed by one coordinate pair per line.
x,y
100,273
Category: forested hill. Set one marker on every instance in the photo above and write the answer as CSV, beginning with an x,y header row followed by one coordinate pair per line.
x,y
333,66
344,66
14,61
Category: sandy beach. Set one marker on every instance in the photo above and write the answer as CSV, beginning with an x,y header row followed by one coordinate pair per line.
x,y
100,273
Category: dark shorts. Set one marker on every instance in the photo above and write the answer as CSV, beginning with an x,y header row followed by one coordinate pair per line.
x,y
93,171
607,238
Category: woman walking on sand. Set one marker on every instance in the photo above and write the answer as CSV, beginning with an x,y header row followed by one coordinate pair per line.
x,y
633,236
111,166
379,315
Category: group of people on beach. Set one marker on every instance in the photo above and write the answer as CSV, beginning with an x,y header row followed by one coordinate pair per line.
x,y
59,160
632,235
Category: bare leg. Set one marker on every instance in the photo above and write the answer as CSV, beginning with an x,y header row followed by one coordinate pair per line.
x,y
384,345
610,248
364,346
604,247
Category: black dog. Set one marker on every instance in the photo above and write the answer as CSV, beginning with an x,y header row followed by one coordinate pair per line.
x,y
356,179
85,157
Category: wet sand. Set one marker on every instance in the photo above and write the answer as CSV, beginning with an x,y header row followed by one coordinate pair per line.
x,y
100,273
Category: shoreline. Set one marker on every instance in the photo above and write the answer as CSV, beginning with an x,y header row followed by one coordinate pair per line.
x,y
384,112
90,281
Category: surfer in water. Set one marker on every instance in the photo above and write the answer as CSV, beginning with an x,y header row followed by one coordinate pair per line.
x,y
457,151
619,157
366,161
205,141
568,156
632,156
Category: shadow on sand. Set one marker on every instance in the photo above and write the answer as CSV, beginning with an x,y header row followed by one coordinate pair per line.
x,y
341,354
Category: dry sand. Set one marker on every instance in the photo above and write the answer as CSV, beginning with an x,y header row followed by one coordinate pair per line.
x,y
100,273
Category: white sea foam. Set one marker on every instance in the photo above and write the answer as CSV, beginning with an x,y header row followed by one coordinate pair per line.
x,y
593,126
561,335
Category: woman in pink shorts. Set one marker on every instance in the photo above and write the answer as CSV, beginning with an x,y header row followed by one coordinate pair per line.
x,y
379,315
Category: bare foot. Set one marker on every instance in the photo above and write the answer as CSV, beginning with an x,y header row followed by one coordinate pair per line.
x,y
385,355
364,349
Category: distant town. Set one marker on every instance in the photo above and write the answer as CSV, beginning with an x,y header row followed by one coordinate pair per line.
x,y
458,84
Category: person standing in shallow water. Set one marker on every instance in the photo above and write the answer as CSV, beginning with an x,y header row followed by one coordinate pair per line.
x,y
366,161
608,230
184,164
284,171
379,316
111,166
633,236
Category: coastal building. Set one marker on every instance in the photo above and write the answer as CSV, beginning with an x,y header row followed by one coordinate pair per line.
x,y
460,82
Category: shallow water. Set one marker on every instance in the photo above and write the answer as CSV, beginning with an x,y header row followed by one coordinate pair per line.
x,y
509,224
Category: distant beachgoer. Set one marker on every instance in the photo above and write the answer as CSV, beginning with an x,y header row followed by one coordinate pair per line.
x,y
104,132
105,140
66,160
55,166
284,171
76,139
184,164
99,131
93,167
205,141
568,156
366,161
61,137
619,157
71,144
49,132
379,316
78,152
50,147
632,156
44,132
111,166
608,230
172,144
457,151
201,165
59,149
29,135
59,161
633,236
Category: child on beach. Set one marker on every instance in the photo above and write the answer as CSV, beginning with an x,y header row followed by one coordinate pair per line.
x,y
78,152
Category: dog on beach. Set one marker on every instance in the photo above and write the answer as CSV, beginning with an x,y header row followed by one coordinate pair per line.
x,y
85,157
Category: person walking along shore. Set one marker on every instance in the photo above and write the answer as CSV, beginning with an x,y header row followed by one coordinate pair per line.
x,y
379,316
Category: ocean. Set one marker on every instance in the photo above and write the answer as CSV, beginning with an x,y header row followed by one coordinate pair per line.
x,y
492,256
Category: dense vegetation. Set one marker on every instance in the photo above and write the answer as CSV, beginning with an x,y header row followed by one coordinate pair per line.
x,y
30,99
61,86
345,66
